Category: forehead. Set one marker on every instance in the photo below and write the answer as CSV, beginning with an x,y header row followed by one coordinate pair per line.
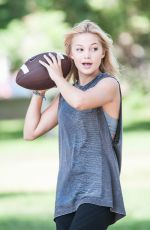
x,y
85,38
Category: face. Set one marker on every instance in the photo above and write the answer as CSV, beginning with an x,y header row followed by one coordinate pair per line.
x,y
87,52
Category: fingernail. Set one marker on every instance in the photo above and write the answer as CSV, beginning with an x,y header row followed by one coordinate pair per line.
x,y
60,55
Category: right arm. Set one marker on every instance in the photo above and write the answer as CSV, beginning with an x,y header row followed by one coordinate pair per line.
x,y
37,123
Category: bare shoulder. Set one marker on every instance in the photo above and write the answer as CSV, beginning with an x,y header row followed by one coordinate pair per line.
x,y
110,84
109,81
104,92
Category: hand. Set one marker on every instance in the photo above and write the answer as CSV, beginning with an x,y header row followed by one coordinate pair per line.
x,y
53,66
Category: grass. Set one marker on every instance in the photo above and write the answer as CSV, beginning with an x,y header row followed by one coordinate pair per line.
x,y
26,211
28,173
32,206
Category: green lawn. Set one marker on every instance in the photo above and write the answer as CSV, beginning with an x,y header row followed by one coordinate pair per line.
x,y
28,174
32,207
24,211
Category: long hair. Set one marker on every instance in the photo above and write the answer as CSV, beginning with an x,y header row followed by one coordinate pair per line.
x,y
108,63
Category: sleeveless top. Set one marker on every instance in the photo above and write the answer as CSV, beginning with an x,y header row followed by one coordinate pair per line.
x,y
112,123
89,160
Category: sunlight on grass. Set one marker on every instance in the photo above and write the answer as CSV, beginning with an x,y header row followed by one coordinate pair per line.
x,y
27,204
27,211
29,169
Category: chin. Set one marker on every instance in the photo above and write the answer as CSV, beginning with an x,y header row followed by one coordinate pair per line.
x,y
89,72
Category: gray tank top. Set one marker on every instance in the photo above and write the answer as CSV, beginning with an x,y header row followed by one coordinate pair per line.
x,y
112,123
89,160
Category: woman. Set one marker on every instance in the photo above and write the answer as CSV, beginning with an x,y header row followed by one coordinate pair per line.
x,y
88,112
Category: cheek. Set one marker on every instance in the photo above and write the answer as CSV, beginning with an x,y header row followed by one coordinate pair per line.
x,y
76,62
75,57
72,53
99,56
98,61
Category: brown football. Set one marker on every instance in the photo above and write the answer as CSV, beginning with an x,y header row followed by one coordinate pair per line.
x,y
32,75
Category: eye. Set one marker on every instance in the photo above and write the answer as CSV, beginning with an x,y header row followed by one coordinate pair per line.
x,y
79,49
94,48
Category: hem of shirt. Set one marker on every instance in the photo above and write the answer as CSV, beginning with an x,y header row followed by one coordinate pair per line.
x,y
94,200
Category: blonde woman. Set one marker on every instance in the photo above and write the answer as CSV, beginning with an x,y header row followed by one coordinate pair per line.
x,y
88,113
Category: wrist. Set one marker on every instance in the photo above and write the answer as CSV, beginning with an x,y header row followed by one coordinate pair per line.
x,y
59,79
38,93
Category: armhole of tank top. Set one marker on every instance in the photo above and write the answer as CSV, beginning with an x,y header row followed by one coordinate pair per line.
x,y
119,90
115,140
118,129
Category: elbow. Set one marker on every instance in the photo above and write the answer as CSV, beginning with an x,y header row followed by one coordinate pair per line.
x,y
78,105
27,137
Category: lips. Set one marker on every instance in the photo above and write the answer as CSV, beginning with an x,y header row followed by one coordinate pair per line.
x,y
87,64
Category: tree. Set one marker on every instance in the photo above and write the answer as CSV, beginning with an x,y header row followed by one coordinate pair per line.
x,y
16,9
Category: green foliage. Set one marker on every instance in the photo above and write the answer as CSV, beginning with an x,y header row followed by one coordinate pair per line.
x,y
103,12
36,33
32,26
10,10
113,16
16,9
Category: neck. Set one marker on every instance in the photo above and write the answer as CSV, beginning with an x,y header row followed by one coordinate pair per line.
x,y
84,79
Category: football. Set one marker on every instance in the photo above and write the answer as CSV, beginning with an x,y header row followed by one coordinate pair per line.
x,y
32,75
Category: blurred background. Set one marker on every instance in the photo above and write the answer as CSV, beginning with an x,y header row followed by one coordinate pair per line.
x,y
28,170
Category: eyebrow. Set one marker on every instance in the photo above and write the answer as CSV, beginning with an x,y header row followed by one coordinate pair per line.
x,y
91,44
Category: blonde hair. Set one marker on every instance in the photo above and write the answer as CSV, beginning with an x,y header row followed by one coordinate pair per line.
x,y
108,63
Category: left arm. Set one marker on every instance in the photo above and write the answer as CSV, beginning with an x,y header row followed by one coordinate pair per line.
x,y
97,96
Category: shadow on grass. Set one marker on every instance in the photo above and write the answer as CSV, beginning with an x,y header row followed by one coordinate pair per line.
x,y
6,135
131,224
22,224
13,129
137,126
16,194
38,224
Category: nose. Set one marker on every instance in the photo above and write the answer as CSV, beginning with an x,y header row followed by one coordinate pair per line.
x,y
87,54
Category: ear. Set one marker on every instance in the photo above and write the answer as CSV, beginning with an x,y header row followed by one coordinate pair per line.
x,y
103,54
71,56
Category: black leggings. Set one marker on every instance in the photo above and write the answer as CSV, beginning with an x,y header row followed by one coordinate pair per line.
x,y
87,217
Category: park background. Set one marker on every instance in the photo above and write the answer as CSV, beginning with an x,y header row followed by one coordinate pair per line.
x,y
28,170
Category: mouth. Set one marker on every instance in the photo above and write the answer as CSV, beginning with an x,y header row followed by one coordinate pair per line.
x,y
87,64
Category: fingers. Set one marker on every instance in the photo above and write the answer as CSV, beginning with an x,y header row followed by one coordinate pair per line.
x,y
53,60
50,61
43,63
59,59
